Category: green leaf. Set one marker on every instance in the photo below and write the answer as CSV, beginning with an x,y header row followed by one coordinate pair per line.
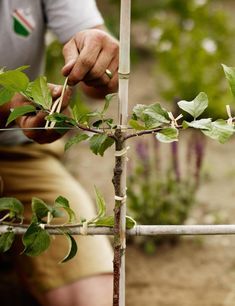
x,y
5,95
195,107
101,206
230,76
61,119
40,92
138,110
62,202
152,116
22,68
72,248
155,116
36,240
168,135
6,241
109,222
14,206
40,208
136,125
20,111
100,143
220,131
14,80
108,99
75,140
202,124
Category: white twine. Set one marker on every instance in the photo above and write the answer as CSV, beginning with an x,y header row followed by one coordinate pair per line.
x,y
118,198
121,152
84,228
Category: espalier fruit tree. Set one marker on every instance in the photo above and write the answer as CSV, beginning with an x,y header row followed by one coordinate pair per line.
x,y
101,132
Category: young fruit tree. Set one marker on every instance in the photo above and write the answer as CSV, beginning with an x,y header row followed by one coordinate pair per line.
x,y
101,132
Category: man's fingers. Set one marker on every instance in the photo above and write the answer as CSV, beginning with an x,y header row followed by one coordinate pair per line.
x,y
70,53
56,91
85,62
104,79
98,70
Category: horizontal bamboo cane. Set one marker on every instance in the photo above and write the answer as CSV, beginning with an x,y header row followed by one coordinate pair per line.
x,y
138,230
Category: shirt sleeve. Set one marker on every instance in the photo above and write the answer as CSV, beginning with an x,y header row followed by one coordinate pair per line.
x,y
67,17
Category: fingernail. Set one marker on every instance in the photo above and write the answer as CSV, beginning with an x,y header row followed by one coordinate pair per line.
x,y
56,90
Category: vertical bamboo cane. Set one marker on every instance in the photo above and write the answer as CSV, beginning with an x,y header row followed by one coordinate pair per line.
x,y
121,159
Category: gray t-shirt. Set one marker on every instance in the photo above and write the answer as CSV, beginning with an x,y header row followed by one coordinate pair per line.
x,y
23,24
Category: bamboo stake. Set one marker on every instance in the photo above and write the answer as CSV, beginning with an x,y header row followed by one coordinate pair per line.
x,y
139,230
119,179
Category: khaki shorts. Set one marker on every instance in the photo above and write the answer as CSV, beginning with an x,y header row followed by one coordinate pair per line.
x,y
35,170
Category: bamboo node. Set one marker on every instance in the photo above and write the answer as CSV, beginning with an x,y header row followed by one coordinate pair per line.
x,y
124,76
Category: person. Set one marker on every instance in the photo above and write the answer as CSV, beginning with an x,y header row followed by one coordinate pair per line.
x,y
30,163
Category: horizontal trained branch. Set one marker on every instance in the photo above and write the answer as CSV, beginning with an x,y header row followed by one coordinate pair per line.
x,y
138,230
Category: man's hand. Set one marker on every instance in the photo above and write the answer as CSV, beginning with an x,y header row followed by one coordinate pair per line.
x,y
38,119
87,56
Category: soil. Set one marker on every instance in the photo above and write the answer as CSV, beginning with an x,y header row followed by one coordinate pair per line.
x,y
198,271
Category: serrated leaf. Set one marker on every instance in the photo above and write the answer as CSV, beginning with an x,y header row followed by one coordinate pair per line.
x,y
62,202
152,116
230,76
14,80
40,92
195,107
220,131
168,135
36,240
75,140
6,241
100,143
20,111
40,208
72,248
14,206
61,119
155,116
202,124
109,222
5,95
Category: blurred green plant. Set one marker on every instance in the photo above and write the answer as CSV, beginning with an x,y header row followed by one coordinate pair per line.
x,y
163,194
190,40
